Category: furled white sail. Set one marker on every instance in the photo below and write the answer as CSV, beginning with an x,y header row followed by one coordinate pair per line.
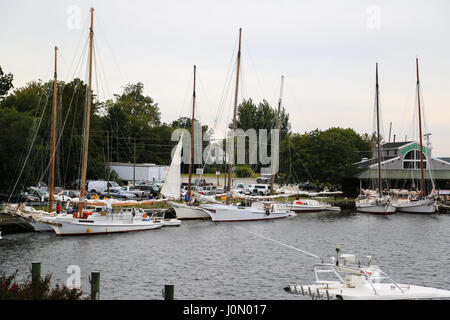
x,y
171,186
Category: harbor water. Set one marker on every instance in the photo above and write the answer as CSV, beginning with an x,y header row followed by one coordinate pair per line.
x,y
207,260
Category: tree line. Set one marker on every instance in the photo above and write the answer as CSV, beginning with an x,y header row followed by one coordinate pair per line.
x,y
128,128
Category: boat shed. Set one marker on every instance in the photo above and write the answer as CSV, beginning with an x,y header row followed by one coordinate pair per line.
x,y
400,168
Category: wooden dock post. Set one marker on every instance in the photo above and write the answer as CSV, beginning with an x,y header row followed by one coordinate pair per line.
x,y
168,292
35,273
95,285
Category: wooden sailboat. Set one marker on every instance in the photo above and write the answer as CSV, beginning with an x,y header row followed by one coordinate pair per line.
x,y
418,203
32,215
188,210
39,226
265,210
277,126
374,201
93,220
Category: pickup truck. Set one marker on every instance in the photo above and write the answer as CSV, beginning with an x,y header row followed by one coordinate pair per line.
x,y
149,190
140,194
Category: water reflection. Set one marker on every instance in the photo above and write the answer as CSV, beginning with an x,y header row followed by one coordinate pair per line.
x,y
206,260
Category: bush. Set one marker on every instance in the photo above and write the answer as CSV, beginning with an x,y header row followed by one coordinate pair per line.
x,y
10,290
244,172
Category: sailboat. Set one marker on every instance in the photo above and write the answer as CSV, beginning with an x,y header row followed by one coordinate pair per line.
x,y
95,220
172,184
32,215
418,202
373,201
264,210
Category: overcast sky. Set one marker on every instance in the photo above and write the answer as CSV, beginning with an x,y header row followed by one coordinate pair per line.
x,y
326,50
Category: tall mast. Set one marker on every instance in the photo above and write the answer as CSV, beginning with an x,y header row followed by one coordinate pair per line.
x,y
55,94
235,111
422,180
278,128
88,118
380,186
192,137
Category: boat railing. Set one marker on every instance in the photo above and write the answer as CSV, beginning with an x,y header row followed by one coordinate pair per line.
x,y
331,268
385,276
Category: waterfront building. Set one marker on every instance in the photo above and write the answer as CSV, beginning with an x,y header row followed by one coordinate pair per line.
x,y
400,168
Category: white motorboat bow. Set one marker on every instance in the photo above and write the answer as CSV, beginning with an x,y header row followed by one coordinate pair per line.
x,y
356,282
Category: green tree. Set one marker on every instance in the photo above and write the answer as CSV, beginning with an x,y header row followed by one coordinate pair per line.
x,y
325,157
5,82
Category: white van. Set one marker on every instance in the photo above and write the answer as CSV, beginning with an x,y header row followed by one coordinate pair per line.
x,y
99,186
261,189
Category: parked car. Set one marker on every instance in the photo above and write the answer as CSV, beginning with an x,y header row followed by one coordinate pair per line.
x,y
149,190
265,178
184,189
199,182
240,187
42,194
100,186
206,190
21,197
70,193
118,193
141,194
248,190
261,189
67,195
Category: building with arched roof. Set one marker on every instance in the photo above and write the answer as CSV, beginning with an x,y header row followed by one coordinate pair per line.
x,y
400,168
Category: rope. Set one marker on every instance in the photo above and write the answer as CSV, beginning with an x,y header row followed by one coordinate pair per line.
x,y
280,243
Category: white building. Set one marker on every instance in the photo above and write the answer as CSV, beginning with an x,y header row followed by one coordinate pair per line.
x,y
145,172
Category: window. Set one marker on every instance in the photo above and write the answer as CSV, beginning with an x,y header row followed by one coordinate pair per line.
x,y
411,160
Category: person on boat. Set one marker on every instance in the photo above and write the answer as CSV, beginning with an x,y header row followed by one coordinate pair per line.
x,y
69,209
133,212
297,197
58,208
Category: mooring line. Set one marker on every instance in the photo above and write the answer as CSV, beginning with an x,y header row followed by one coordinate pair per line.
x,y
283,244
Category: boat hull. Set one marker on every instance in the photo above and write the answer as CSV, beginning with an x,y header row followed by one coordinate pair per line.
x,y
86,227
376,209
185,212
419,206
41,227
385,291
233,213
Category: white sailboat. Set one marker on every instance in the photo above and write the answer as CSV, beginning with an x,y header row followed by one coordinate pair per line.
x,y
356,282
266,210
418,202
189,210
374,201
93,221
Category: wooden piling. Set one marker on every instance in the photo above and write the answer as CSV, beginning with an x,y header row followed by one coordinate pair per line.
x,y
168,292
95,285
35,273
